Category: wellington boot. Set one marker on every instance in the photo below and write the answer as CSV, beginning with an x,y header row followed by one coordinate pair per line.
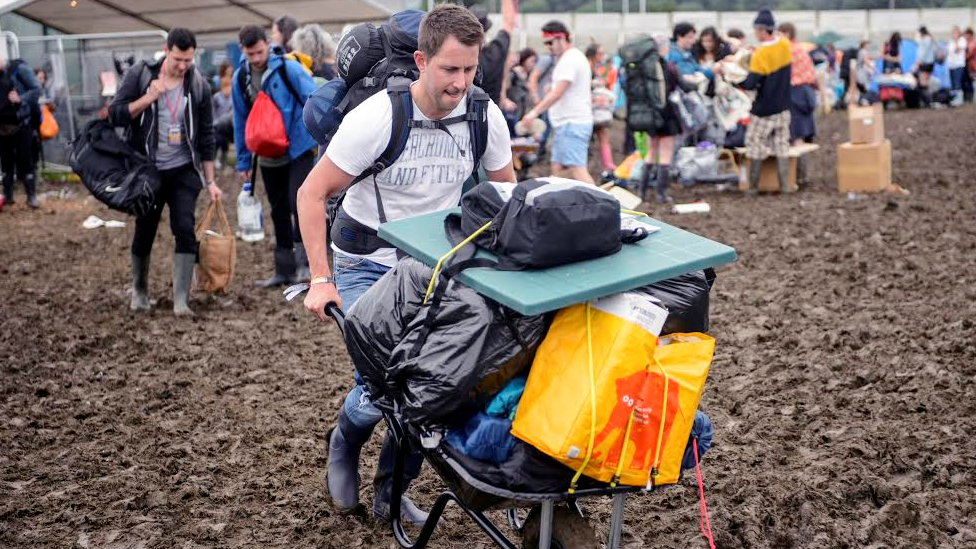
x,y
140,283
755,170
344,443
182,279
285,270
783,171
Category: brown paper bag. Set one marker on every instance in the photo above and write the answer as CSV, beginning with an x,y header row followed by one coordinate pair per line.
x,y
218,252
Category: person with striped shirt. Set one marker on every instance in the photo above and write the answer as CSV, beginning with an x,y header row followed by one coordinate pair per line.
x,y
768,133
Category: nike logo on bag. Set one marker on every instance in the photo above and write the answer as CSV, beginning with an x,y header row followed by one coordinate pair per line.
x,y
112,189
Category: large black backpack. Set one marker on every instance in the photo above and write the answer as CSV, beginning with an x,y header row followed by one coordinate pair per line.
x,y
370,59
113,171
644,84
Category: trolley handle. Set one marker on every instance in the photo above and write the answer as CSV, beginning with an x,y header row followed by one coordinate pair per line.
x,y
331,308
336,313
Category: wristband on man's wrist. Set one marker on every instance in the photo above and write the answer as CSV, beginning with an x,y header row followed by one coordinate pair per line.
x,y
322,280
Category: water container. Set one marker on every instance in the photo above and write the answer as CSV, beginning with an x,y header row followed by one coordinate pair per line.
x,y
250,226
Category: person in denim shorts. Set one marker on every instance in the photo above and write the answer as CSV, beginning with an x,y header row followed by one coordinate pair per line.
x,y
427,177
569,105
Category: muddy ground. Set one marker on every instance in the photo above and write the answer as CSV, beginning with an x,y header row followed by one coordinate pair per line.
x,y
842,388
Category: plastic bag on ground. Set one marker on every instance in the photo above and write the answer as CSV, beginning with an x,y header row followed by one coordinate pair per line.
x,y
441,373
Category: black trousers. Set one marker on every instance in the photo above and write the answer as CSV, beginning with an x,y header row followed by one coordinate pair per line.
x,y
179,190
16,156
224,134
282,183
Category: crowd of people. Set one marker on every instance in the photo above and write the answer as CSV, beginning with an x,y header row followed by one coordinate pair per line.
x,y
571,91
814,72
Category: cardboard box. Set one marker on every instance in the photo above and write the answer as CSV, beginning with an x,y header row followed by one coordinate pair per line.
x,y
768,178
864,168
866,124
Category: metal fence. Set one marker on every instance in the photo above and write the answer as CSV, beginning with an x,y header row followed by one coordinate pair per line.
x,y
80,70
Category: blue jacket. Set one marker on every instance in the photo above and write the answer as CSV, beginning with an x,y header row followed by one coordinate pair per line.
x,y
685,62
26,86
299,141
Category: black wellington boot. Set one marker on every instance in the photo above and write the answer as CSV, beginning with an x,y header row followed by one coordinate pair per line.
x,y
344,442
285,268
383,485
661,187
31,188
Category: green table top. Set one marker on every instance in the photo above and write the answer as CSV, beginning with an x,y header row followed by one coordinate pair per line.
x,y
666,253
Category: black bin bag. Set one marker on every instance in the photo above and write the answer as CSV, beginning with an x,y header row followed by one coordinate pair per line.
x,y
686,299
112,171
436,365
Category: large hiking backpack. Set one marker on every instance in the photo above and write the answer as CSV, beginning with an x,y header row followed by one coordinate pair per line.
x,y
644,84
113,171
370,59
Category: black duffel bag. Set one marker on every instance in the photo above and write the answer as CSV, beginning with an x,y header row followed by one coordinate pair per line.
x,y
113,171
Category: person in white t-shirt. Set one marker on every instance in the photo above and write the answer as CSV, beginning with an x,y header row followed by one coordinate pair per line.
x,y
427,177
956,58
569,105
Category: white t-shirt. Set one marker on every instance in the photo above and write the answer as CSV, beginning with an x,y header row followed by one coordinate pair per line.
x,y
574,107
428,175
956,53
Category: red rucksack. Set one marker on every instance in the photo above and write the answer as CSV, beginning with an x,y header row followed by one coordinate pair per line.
x,y
264,133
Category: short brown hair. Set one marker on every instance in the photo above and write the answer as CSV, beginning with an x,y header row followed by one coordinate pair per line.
x,y
448,20
788,29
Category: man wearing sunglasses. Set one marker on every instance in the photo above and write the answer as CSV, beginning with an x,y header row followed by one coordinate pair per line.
x,y
568,103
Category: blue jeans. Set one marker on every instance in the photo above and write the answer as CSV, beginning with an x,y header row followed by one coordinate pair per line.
x,y
355,275
955,77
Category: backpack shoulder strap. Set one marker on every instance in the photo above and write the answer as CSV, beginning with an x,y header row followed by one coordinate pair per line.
x,y
283,71
398,90
145,77
478,126
242,79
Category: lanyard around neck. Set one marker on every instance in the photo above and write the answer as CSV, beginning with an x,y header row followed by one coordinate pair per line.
x,y
173,109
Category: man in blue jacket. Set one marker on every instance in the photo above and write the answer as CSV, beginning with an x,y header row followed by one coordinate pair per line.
x,y
288,86
19,93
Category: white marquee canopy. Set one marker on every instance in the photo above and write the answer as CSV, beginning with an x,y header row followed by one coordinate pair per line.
x,y
200,16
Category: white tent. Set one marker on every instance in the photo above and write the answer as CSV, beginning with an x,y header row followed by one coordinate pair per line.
x,y
207,17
